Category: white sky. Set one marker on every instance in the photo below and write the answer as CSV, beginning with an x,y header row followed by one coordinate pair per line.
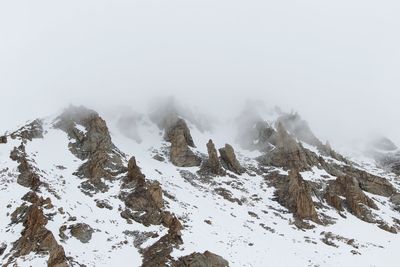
x,y
336,62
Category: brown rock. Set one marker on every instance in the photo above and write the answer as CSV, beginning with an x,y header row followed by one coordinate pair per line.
x,y
176,125
355,199
102,158
228,158
300,197
134,176
36,238
294,194
370,183
206,259
212,165
213,159
180,154
28,176
82,231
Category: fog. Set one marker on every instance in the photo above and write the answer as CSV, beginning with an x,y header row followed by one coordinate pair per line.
x,y
335,62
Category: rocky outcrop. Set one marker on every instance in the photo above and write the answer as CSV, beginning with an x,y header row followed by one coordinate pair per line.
x,y
229,160
36,238
294,193
346,192
176,125
102,158
82,231
159,254
288,153
29,132
144,203
178,134
134,177
371,183
213,160
368,182
206,259
212,165
180,154
27,176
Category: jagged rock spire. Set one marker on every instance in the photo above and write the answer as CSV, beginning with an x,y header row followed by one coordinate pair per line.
x,y
229,159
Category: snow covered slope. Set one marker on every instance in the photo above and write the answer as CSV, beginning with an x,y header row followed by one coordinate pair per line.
x,y
266,215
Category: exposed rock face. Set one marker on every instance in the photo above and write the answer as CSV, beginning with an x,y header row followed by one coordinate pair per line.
x,y
146,202
135,176
371,183
178,134
354,198
159,254
206,259
229,160
28,176
213,159
3,139
176,125
103,159
288,153
180,154
212,165
36,238
294,193
82,231
30,131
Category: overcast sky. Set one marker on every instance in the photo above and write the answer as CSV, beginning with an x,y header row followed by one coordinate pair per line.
x,y
336,62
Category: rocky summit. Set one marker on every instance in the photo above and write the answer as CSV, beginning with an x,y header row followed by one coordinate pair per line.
x,y
84,188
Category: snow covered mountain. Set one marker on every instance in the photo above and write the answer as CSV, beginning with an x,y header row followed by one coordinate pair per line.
x,y
168,189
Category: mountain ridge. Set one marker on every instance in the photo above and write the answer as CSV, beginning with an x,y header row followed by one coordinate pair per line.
x,y
168,195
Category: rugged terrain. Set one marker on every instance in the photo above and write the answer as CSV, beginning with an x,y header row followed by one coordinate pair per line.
x,y
166,189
